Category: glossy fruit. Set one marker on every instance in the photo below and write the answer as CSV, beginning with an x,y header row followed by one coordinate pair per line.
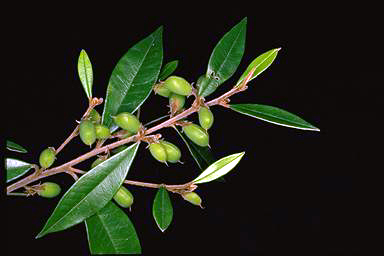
x,y
173,152
87,132
205,118
94,116
123,197
98,161
161,90
127,122
49,190
197,134
102,132
176,102
193,198
47,157
158,152
178,85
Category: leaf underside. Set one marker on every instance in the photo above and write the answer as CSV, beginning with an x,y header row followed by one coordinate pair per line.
x,y
16,168
12,146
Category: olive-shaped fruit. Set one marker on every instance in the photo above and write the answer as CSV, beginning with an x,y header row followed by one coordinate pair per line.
x,y
49,190
158,152
98,161
94,116
102,132
47,157
193,198
176,102
173,152
178,85
127,121
205,118
87,132
123,197
162,90
197,134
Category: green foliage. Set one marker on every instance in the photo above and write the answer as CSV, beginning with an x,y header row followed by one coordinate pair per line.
x,y
162,209
16,168
168,69
12,146
84,69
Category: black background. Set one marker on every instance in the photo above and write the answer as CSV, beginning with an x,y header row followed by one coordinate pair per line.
x,y
294,191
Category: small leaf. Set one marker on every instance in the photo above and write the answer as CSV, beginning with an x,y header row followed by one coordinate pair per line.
x,y
162,209
168,69
110,231
219,168
16,168
225,59
273,115
84,68
91,192
12,146
260,64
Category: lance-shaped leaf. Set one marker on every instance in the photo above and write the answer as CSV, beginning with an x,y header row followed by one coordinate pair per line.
x,y
133,77
273,115
219,168
168,69
225,59
84,68
110,231
162,210
259,64
12,146
16,168
91,192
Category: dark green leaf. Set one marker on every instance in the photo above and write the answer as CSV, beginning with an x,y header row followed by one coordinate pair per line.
x,y
16,168
91,192
168,69
162,209
133,77
225,59
273,115
84,68
110,231
12,146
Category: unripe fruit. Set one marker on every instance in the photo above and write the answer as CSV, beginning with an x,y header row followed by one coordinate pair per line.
x,y
158,152
193,198
49,190
196,134
127,121
178,85
94,116
176,102
161,90
173,152
98,161
123,197
47,157
205,118
102,132
87,132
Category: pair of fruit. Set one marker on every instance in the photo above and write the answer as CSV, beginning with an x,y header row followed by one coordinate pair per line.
x,y
164,151
90,129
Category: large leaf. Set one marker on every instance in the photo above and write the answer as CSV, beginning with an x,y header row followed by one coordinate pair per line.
x,y
219,168
162,210
16,168
273,115
110,231
225,59
168,69
84,68
12,146
91,192
133,77
260,64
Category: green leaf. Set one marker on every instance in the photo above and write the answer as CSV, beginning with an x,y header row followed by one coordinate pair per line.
x,y
84,68
273,115
168,69
225,59
91,192
133,77
219,168
16,168
260,64
12,146
110,231
162,209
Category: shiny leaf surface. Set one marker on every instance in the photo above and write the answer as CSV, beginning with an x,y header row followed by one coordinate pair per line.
x,y
16,168
168,69
12,146
84,69
162,210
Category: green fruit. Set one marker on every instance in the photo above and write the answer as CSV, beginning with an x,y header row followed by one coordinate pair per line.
x,y
127,122
196,134
94,116
98,161
123,197
173,152
102,132
176,102
161,90
119,149
87,132
205,118
193,198
158,152
49,190
47,157
178,85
